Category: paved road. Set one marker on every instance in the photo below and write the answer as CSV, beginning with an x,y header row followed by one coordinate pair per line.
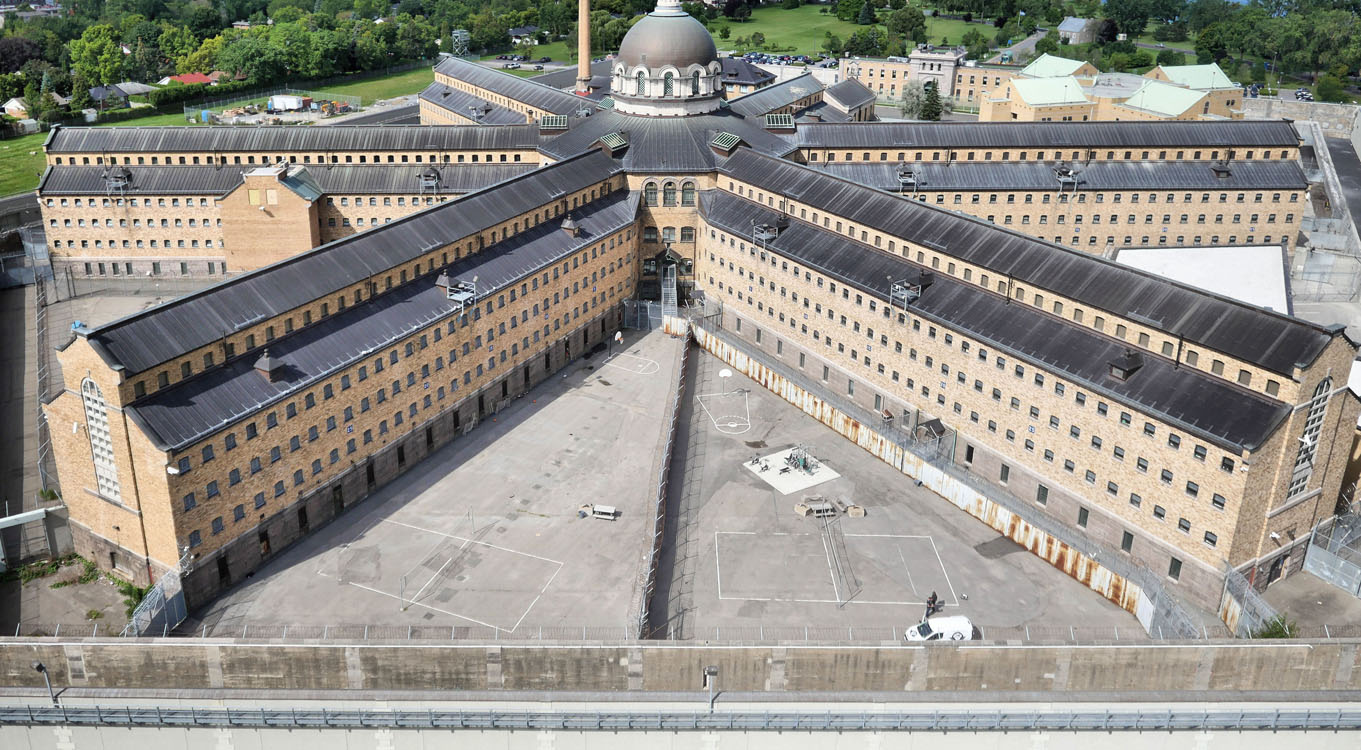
x,y
1020,49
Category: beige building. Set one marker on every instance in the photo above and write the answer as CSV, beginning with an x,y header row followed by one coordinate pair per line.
x,y
1054,89
1187,431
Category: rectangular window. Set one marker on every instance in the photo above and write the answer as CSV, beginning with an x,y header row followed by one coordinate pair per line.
x,y
1082,515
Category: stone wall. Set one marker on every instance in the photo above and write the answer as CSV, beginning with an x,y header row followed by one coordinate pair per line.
x,y
1338,120
1321,667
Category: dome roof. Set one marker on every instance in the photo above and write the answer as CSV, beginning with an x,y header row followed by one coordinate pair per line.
x,y
668,37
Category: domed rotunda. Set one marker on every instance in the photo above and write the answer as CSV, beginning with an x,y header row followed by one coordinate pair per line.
x,y
667,65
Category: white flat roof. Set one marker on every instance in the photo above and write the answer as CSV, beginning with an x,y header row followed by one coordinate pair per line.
x,y
1255,274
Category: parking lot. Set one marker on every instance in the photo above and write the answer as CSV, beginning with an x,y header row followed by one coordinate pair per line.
x,y
746,565
487,536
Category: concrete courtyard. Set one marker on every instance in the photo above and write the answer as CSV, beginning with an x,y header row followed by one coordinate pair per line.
x,y
486,536
745,566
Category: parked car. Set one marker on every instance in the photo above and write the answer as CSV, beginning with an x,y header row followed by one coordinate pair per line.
x,y
953,628
545,59
538,67
1304,95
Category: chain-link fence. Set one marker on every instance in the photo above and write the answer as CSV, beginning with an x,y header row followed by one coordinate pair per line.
x,y
1162,614
1241,607
1334,553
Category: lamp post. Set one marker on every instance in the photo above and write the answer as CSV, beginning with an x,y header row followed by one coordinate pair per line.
x,y
710,677
41,669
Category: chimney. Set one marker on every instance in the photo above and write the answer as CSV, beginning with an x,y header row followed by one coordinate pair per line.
x,y
270,367
569,225
583,47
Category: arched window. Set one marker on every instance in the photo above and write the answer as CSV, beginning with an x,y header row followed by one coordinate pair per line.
x,y
101,443
694,83
688,194
642,83
669,85
669,194
650,193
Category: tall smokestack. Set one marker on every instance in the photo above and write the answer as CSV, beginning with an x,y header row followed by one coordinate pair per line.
x,y
583,47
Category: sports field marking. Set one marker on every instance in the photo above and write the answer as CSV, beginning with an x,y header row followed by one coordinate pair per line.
x,y
729,423
831,572
634,364
414,600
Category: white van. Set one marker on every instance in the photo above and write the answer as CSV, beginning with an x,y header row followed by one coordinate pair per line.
x,y
954,628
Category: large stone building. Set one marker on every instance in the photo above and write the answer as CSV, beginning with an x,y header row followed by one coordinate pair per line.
x,y
1189,431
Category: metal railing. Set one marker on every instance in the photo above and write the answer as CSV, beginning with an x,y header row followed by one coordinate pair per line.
x,y
1249,611
1169,619
963,719
1334,552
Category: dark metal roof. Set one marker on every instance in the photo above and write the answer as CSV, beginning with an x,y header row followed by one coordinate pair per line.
x,y
567,77
1235,134
1270,340
274,140
177,416
330,179
850,93
523,90
146,339
1100,175
779,95
742,73
665,144
470,107
1231,417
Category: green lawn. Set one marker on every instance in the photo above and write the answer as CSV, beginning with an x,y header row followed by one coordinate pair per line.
x,y
803,29
385,87
558,50
21,163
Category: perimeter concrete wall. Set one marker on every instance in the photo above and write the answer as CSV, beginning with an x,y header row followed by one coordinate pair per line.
x,y
1337,120
166,664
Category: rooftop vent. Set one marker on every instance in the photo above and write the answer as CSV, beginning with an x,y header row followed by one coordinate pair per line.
x,y
268,366
725,143
1126,365
553,122
780,122
906,291
571,227
614,143
908,179
1221,169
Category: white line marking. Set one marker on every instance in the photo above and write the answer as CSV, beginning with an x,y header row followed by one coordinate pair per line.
x,y
418,604
416,597
907,570
718,569
645,366
944,572
537,598
734,424
472,541
830,572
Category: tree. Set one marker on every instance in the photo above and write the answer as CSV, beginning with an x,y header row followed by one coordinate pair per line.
x,y
865,43
758,40
790,4
866,17
931,108
97,55
1330,89
914,98
1130,16
908,23
15,51
724,31
1171,57
832,44
203,20
1210,45
848,10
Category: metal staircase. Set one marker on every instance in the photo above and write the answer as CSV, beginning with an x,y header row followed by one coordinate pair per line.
x,y
669,290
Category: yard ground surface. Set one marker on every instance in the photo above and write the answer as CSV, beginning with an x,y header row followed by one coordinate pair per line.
x,y
486,534
745,566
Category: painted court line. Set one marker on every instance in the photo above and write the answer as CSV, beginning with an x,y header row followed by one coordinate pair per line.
x,y
645,366
728,424
472,541
946,573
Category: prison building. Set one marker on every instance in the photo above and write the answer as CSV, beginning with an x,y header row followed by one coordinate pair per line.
x,y
224,424
1187,430
526,98
1104,205
334,144
176,221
